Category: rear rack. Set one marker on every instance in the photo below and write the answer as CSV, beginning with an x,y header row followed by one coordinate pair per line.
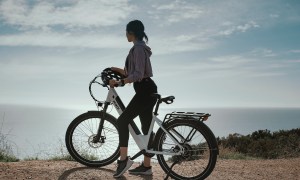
x,y
186,115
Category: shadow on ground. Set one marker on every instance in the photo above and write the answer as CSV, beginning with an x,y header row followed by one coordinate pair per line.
x,y
68,174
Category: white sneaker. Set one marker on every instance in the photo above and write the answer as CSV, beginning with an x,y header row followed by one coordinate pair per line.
x,y
123,166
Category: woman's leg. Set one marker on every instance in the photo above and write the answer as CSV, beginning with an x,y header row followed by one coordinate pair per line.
x,y
134,108
147,161
146,119
123,153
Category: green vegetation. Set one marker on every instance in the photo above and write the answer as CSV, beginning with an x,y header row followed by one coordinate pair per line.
x,y
61,157
31,158
59,154
58,157
226,153
261,144
6,153
7,157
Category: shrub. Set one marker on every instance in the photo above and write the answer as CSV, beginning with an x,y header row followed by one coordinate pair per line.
x,y
264,144
6,153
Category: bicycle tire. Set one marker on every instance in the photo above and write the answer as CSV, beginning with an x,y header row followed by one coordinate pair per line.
x,y
188,158
87,152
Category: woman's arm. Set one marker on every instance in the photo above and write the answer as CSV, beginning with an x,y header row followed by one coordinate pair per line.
x,y
137,69
113,82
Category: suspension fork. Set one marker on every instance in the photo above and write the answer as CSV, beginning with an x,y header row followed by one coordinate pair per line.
x,y
99,132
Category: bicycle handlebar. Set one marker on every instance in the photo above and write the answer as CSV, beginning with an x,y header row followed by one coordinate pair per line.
x,y
90,87
106,75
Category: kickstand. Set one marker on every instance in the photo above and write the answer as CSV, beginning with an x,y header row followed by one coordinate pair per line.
x,y
175,162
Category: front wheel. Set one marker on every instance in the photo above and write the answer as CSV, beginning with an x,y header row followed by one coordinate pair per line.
x,y
200,149
81,144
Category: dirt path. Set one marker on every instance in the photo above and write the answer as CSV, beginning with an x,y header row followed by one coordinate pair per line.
x,y
225,169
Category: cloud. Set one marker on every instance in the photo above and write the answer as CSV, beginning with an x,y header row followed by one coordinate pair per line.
x,y
177,26
238,28
295,51
205,22
180,43
267,74
263,52
274,15
70,23
53,39
294,61
255,64
175,11
232,66
77,13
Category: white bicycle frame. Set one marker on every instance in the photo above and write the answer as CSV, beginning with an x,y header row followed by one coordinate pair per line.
x,y
142,140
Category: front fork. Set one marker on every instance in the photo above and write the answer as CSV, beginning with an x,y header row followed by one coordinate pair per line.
x,y
98,137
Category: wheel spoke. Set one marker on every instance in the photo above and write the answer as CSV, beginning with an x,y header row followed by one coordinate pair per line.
x,y
85,150
195,159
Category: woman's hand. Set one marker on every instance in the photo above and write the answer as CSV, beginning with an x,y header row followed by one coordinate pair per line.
x,y
113,83
119,70
115,69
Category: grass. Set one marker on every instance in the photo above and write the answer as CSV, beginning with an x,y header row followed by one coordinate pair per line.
x,y
226,153
4,157
6,151
61,158
51,158
59,154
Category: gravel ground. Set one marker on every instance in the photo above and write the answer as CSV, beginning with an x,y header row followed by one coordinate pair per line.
x,y
225,169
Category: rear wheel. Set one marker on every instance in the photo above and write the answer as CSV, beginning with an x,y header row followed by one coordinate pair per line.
x,y
200,149
81,144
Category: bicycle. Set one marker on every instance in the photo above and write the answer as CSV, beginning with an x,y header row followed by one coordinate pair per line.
x,y
185,147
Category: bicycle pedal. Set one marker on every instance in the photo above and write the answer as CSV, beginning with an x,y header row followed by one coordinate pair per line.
x,y
150,155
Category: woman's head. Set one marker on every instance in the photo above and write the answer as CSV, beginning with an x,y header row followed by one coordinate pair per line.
x,y
135,31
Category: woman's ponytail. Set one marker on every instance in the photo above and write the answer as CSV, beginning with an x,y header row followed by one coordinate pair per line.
x,y
146,37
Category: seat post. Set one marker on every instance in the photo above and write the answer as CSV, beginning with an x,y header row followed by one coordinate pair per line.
x,y
157,106
158,96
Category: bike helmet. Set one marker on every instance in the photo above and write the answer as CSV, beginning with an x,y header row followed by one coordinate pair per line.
x,y
108,74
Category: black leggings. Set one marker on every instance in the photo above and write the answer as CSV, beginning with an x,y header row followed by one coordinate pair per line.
x,y
141,105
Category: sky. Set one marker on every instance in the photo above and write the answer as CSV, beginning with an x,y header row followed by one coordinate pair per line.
x,y
206,53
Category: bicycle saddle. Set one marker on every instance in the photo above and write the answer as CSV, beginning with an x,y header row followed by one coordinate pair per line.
x,y
167,100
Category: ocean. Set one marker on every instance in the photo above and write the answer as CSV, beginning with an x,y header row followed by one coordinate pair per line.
x,y
39,131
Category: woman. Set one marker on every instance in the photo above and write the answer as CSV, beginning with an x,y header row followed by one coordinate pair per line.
x,y
138,71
